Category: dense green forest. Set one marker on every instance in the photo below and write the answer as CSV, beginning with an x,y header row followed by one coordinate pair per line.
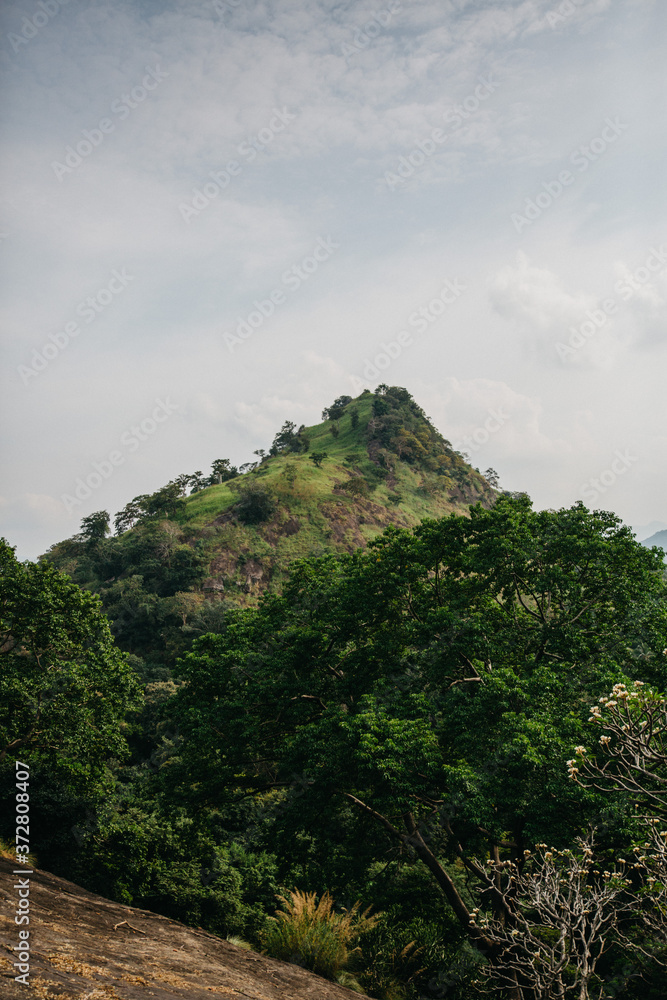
x,y
434,744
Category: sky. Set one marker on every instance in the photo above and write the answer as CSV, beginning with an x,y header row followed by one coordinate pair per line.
x,y
219,216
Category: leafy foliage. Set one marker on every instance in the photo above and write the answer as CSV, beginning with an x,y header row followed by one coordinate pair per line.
x,y
432,683
256,504
64,686
337,408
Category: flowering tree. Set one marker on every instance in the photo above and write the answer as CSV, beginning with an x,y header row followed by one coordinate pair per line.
x,y
633,760
633,756
559,914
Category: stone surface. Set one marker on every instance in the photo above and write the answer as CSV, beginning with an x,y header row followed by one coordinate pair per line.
x,y
86,946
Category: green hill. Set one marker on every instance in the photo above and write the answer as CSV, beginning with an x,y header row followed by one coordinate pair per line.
x,y
373,461
659,538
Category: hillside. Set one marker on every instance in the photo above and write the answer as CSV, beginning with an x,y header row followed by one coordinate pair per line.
x,y
659,538
83,945
373,461
375,474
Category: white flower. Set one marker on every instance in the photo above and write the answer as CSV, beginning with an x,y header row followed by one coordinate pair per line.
x,y
580,751
604,740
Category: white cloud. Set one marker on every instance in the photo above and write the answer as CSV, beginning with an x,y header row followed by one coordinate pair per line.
x,y
324,174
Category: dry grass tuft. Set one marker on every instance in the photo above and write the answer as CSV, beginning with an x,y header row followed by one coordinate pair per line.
x,y
314,935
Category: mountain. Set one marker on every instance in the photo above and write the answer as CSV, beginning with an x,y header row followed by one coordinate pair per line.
x,y
177,562
87,946
659,538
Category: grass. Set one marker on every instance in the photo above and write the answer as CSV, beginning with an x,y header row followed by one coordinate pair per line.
x,y
8,851
314,935
312,516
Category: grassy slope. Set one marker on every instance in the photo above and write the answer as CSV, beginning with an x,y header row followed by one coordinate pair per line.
x,y
312,517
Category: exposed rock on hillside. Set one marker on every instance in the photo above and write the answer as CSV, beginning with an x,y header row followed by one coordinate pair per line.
x,y
86,946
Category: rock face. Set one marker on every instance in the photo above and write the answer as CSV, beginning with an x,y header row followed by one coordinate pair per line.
x,y
83,945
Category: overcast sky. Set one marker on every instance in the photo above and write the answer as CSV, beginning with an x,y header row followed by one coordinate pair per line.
x,y
220,216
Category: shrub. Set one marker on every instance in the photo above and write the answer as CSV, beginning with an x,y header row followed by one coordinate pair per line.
x,y
337,408
313,934
256,504
357,487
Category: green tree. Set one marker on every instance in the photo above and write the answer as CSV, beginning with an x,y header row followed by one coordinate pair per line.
x,y
255,504
64,686
95,526
430,686
318,457
290,474
287,439
337,408
222,470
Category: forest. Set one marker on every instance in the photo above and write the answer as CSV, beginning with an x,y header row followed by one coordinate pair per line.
x,y
433,765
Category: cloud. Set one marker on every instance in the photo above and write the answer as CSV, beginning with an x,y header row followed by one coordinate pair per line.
x,y
354,115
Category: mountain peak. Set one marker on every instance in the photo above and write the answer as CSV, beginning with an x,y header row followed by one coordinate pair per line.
x,y
373,461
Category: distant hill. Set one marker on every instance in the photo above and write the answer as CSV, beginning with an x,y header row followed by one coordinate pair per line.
x,y
373,461
178,562
659,538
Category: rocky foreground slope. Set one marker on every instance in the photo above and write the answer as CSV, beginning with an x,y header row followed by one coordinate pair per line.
x,y
86,946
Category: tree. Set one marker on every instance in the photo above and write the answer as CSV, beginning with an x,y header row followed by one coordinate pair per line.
x,y
357,487
290,474
95,526
182,482
131,513
557,915
337,408
256,504
631,762
287,439
197,481
492,478
165,502
632,754
432,682
222,470
64,686
317,457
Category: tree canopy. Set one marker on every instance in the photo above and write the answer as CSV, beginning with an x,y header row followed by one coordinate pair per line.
x,y
430,688
64,687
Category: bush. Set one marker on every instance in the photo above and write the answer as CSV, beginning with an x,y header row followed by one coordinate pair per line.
x,y
401,961
313,935
256,504
337,408
357,487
